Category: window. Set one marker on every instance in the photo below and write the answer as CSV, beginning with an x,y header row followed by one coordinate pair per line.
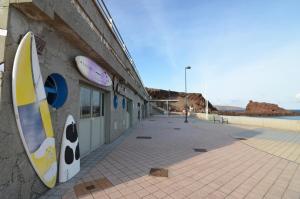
x,y
96,104
102,104
123,103
128,104
85,102
91,103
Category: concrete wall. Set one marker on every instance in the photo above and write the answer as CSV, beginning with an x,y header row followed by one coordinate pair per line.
x,y
290,125
118,124
18,179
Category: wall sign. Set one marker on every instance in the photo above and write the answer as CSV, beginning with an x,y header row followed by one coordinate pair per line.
x,y
121,89
114,83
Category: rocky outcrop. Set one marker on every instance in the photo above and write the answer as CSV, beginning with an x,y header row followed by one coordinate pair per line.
x,y
195,100
263,108
260,109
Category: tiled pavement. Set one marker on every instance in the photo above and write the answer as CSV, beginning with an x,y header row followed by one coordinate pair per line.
x,y
276,142
230,168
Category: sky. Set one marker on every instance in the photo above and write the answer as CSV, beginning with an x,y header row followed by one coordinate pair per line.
x,y
239,50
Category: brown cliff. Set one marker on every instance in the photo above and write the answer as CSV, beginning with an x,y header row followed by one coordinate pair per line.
x,y
266,109
260,109
195,100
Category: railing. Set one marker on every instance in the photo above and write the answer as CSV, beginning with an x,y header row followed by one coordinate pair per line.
x,y
102,7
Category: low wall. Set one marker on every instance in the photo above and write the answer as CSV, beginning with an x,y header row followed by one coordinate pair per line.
x,y
290,125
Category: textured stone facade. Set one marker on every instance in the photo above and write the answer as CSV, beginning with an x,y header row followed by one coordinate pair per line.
x,y
18,179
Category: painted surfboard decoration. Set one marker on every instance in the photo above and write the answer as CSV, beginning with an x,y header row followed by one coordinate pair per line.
x,y
92,71
69,164
32,112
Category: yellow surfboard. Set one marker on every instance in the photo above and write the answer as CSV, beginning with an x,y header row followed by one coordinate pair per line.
x,y
32,112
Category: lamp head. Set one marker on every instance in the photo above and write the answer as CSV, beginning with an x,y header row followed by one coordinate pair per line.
x,y
188,67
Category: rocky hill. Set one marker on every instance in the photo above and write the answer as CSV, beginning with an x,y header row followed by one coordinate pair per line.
x,y
263,108
195,100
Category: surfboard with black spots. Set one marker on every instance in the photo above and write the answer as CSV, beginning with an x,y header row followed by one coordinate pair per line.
x,y
70,155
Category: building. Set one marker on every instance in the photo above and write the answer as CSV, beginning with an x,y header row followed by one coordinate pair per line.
x,y
63,30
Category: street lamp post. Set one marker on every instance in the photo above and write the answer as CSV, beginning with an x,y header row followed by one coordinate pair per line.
x,y
168,104
186,108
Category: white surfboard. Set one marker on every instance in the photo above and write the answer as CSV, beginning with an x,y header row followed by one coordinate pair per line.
x,y
32,113
69,155
92,71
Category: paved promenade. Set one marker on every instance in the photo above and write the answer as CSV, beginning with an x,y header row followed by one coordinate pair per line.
x,y
276,142
263,164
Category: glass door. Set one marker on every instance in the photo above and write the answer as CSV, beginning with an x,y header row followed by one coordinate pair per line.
x,y
96,120
91,124
85,120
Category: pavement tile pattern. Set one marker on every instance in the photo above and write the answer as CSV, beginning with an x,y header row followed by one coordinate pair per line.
x,y
229,169
283,144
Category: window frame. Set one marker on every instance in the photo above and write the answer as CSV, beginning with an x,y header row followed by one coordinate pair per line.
x,y
85,116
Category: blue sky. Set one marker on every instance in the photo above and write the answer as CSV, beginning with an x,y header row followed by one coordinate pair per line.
x,y
239,50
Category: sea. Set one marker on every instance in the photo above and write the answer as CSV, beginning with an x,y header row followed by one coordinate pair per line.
x,y
289,117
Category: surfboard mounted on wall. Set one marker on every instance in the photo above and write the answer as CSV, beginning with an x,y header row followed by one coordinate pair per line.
x,y
69,164
32,112
92,71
